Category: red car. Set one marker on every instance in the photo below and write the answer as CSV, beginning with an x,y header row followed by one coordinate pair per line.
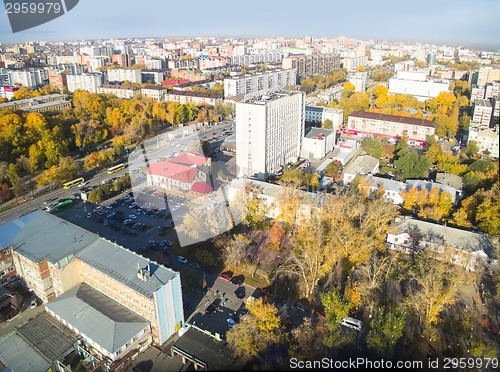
x,y
319,314
224,276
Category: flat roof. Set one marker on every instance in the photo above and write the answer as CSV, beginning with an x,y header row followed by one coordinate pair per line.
x,y
393,118
121,264
97,316
207,349
37,344
313,133
40,235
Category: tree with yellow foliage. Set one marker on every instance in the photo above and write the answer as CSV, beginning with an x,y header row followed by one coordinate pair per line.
x,y
257,331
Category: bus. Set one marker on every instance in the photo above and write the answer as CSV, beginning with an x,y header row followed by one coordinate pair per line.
x,y
62,205
116,168
75,182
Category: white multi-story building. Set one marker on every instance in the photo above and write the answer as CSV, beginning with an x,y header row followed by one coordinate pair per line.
x,y
259,82
330,94
351,64
358,79
119,75
476,93
269,133
206,62
88,82
317,142
417,84
154,92
118,90
31,78
492,90
482,112
318,114
363,124
486,139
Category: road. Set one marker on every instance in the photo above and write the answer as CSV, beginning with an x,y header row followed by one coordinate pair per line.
x,y
155,148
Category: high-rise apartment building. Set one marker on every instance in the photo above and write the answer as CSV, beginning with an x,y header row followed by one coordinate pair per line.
x,y
57,79
88,82
482,112
31,78
269,133
313,64
119,75
259,82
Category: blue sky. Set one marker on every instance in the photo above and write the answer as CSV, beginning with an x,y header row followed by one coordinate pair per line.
x,y
455,22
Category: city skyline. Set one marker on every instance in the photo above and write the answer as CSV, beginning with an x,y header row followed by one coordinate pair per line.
x,y
463,22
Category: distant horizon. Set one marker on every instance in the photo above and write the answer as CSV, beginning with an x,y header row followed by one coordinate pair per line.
x,y
471,24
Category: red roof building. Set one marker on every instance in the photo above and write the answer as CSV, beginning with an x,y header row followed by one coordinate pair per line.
x,y
201,188
179,173
174,82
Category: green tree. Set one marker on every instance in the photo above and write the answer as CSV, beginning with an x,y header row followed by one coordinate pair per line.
x,y
336,308
472,149
411,165
385,331
327,124
372,146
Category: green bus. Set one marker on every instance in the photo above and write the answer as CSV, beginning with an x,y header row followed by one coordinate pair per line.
x,y
62,205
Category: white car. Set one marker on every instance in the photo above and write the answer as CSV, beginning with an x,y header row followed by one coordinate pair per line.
x,y
132,216
181,259
33,303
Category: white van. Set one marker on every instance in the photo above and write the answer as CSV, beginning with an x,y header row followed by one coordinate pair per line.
x,y
352,323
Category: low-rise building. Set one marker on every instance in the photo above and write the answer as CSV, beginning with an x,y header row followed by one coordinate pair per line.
x,y
417,84
154,92
318,115
363,123
454,193
53,257
460,247
119,91
8,92
179,173
392,188
317,142
194,97
7,268
50,102
363,165
331,94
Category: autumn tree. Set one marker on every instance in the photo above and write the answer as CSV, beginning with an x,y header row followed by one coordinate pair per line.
x,y
372,146
412,165
433,285
260,329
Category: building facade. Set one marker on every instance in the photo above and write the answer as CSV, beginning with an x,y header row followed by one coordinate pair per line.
x,y
486,139
87,82
127,92
307,65
119,75
417,84
154,92
482,113
269,133
53,256
317,143
50,102
195,97
259,82
362,123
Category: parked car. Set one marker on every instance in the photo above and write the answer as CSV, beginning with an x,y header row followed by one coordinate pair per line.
x,y
231,323
224,277
34,303
195,265
181,259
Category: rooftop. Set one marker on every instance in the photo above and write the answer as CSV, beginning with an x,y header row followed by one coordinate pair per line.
x,y
37,344
393,118
33,236
452,237
122,265
172,170
315,133
388,184
98,317
363,164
